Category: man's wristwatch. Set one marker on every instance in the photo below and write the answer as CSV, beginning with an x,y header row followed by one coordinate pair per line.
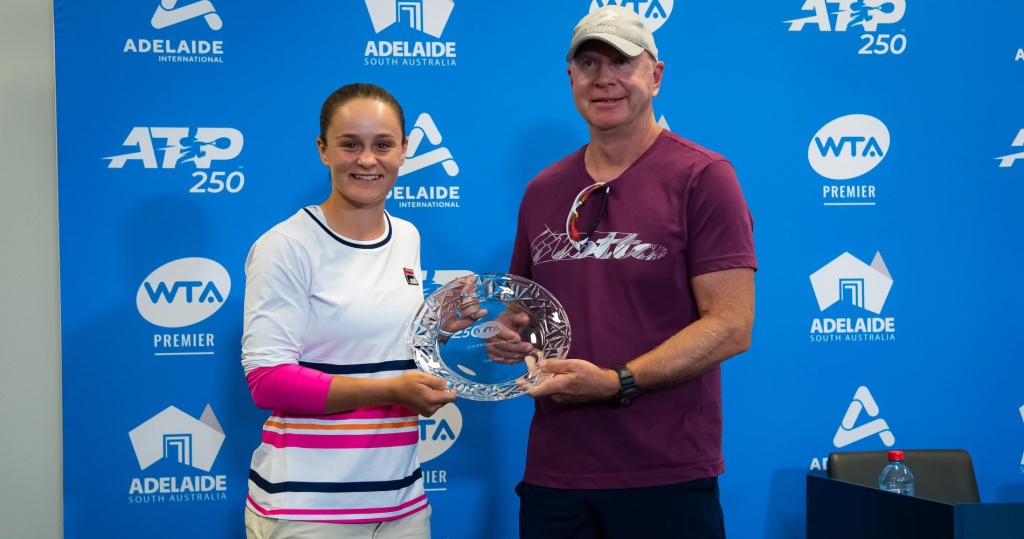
x,y
628,390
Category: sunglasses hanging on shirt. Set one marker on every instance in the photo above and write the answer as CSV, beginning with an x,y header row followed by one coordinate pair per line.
x,y
572,221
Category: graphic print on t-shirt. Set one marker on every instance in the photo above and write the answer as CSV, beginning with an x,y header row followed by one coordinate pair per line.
x,y
551,246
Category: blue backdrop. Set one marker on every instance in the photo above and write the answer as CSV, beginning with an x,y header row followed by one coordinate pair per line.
x,y
879,144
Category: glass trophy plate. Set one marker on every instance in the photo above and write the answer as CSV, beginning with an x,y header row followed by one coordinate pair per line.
x,y
486,332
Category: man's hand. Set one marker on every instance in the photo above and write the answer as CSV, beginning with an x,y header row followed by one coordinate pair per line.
x,y
574,381
507,346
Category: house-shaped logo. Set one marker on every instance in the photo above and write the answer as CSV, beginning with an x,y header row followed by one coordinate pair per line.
x,y
173,434
427,16
849,280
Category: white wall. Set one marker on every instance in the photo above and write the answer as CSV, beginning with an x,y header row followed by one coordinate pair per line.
x,y
30,395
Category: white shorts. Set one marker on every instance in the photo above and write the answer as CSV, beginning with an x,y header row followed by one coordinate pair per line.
x,y
414,526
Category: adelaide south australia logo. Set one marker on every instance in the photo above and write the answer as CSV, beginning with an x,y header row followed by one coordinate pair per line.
x,y
854,294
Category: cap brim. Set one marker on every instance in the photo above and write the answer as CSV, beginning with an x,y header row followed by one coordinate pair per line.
x,y
624,46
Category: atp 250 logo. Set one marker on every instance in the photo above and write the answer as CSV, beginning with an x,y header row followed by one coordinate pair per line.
x,y
204,148
851,15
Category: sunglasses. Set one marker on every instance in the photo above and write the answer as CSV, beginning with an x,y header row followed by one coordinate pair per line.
x,y
572,221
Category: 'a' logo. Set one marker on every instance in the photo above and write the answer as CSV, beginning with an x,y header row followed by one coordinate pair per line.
x,y
848,431
426,129
1006,161
663,123
1022,456
169,13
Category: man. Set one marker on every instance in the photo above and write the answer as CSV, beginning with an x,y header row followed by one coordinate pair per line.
x,y
647,242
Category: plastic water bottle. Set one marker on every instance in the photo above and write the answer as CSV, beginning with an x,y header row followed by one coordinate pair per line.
x,y
896,477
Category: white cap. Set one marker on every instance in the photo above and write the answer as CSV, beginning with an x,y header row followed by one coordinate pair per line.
x,y
617,26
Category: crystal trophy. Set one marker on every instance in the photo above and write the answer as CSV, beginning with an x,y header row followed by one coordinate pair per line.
x,y
486,333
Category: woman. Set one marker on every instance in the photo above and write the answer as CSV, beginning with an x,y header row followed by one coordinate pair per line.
x,y
329,296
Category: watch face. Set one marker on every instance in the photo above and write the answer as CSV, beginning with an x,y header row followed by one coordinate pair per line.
x,y
628,399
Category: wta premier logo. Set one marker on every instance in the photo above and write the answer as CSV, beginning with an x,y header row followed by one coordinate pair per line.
x,y
846,148
183,292
654,12
179,294
872,17
437,435
410,19
179,440
847,285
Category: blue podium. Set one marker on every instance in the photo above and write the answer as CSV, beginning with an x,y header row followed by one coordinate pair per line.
x,y
841,510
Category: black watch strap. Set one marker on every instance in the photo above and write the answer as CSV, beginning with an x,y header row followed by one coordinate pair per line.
x,y
628,390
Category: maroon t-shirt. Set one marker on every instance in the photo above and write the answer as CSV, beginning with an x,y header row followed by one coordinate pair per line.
x,y
676,213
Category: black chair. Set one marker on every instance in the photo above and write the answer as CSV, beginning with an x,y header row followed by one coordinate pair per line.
x,y
942,475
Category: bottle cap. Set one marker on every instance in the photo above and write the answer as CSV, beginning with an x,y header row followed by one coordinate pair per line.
x,y
896,455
